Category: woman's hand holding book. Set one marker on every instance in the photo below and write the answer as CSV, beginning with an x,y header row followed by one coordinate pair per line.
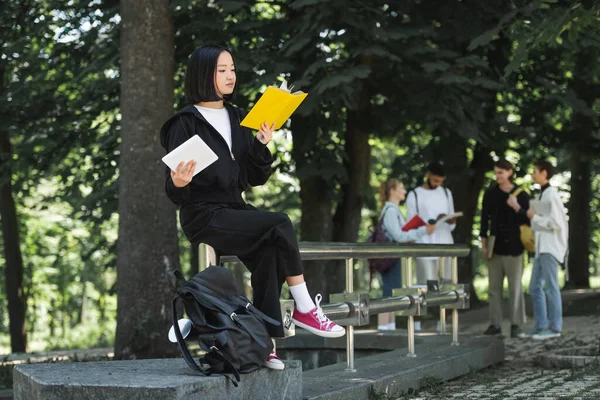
x,y
265,134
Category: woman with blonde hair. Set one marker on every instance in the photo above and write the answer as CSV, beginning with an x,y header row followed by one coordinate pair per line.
x,y
391,193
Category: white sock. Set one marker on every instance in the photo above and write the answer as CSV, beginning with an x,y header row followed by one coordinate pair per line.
x,y
303,301
391,326
417,325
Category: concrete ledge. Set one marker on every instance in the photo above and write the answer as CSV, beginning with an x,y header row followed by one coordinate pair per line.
x,y
393,373
367,339
317,352
574,357
8,362
157,379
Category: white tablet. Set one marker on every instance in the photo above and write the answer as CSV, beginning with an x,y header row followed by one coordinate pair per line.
x,y
541,207
192,149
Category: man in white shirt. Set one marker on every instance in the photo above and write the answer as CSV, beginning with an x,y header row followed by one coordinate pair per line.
x,y
431,202
551,240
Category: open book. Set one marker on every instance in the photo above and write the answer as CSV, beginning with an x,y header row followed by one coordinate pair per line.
x,y
414,223
192,149
275,105
447,217
417,222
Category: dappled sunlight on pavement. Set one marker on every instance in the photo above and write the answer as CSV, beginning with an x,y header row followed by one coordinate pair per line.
x,y
520,376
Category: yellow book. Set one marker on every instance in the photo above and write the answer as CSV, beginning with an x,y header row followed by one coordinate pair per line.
x,y
275,105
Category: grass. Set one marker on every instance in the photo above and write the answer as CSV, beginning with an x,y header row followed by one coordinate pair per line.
x,y
432,385
374,395
429,384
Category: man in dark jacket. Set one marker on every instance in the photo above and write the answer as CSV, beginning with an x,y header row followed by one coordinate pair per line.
x,y
503,248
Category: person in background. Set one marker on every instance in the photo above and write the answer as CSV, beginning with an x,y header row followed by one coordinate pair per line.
x,y
432,201
501,218
551,241
391,193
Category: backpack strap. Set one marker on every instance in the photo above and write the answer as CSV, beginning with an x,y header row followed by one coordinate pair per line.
x,y
241,301
447,198
227,310
250,307
215,353
380,224
414,191
371,269
176,279
188,357
383,212
181,342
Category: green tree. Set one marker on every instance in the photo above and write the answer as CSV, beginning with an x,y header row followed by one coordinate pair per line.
x,y
557,98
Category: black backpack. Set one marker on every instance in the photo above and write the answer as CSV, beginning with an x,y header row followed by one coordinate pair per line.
x,y
230,330
377,236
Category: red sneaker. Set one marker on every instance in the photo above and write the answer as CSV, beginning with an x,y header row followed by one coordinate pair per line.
x,y
316,322
274,362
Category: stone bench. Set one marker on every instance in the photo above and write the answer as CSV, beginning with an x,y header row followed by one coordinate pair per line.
x,y
9,361
156,379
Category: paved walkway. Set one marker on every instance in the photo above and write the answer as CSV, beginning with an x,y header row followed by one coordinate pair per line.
x,y
520,377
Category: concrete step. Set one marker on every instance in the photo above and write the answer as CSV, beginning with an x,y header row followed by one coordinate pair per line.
x,y
6,394
393,373
156,379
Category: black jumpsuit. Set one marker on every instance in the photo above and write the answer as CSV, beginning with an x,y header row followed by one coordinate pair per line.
x,y
212,210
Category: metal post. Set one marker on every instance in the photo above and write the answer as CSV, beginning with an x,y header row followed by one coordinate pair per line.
x,y
349,275
403,264
350,328
442,273
409,280
411,336
411,319
454,311
206,256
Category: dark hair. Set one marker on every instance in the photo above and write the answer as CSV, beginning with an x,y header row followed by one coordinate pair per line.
x,y
544,165
436,168
200,75
506,165
384,190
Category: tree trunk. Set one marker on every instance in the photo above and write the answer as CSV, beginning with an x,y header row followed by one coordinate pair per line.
x,y
357,163
147,246
316,205
465,181
358,166
579,221
13,269
583,127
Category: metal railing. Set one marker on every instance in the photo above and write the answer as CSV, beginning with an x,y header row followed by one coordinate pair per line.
x,y
353,309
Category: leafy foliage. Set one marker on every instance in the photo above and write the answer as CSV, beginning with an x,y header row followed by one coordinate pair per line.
x,y
428,80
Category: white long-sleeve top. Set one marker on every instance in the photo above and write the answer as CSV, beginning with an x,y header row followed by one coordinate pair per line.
x,y
551,231
432,203
393,221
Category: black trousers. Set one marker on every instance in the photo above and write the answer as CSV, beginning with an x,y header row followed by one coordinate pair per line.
x,y
264,241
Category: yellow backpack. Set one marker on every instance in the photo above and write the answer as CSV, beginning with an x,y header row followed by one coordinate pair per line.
x,y
527,236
